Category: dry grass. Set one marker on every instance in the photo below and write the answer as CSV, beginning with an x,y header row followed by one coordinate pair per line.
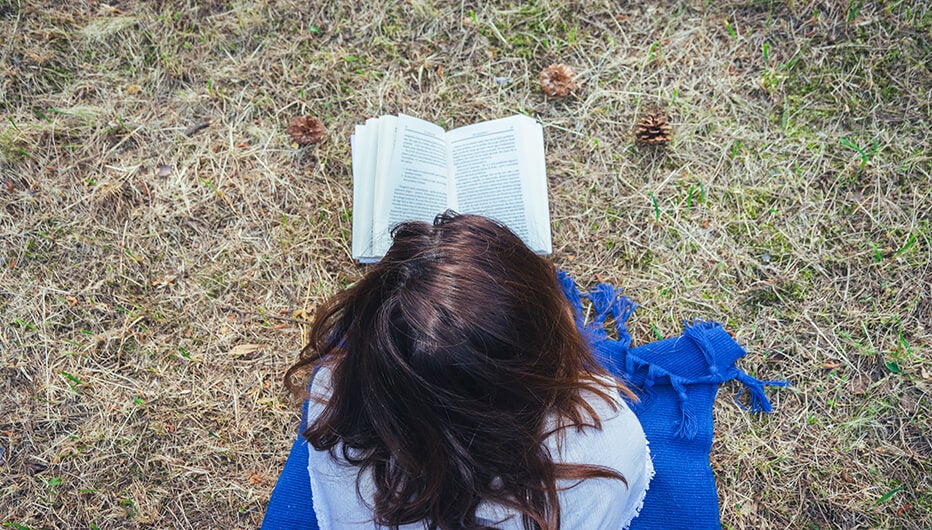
x,y
139,264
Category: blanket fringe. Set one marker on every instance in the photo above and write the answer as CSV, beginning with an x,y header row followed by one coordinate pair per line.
x,y
687,427
602,296
622,309
614,354
755,387
697,330
646,388
607,300
571,292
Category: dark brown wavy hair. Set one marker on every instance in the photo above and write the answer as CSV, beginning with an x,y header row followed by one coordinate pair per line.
x,y
447,359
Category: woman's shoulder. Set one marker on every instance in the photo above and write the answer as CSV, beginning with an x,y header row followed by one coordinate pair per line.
x,y
619,445
320,385
619,436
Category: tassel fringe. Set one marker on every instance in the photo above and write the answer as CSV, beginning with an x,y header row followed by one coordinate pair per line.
x,y
696,330
571,292
602,296
614,354
755,387
610,301
687,426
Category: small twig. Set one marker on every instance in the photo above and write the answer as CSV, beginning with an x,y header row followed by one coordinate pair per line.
x,y
258,314
196,128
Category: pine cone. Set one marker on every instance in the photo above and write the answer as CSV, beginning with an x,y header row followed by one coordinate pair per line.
x,y
653,128
306,130
558,80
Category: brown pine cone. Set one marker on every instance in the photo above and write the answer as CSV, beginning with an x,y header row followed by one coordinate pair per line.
x,y
306,130
558,80
653,128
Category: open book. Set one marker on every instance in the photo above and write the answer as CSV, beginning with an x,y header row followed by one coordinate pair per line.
x,y
409,169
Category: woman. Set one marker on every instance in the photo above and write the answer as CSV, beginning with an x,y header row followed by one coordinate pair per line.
x,y
454,391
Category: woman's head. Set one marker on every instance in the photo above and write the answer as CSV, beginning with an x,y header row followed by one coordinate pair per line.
x,y
447,358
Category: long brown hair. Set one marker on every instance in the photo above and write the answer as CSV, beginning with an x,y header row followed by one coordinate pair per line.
x,y
447,358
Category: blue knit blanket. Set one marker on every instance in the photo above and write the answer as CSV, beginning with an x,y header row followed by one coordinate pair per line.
x,y
676,379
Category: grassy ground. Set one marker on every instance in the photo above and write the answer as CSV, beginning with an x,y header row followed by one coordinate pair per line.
x,y
151,281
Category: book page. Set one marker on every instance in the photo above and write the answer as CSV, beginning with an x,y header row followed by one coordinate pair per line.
x,y
364,151
498,170
535,186
414,186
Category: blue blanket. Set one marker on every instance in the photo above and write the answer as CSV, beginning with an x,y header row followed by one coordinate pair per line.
x,y
676,378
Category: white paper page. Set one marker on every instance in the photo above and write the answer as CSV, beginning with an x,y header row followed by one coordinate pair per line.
x,y
363,180
498,168
385,147
414,187
383,130
533,151
365,152
357,191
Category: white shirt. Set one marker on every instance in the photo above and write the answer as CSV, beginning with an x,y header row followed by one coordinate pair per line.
x,y
593,503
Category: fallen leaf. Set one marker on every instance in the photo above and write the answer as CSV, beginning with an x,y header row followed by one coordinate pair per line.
x,y
242,350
